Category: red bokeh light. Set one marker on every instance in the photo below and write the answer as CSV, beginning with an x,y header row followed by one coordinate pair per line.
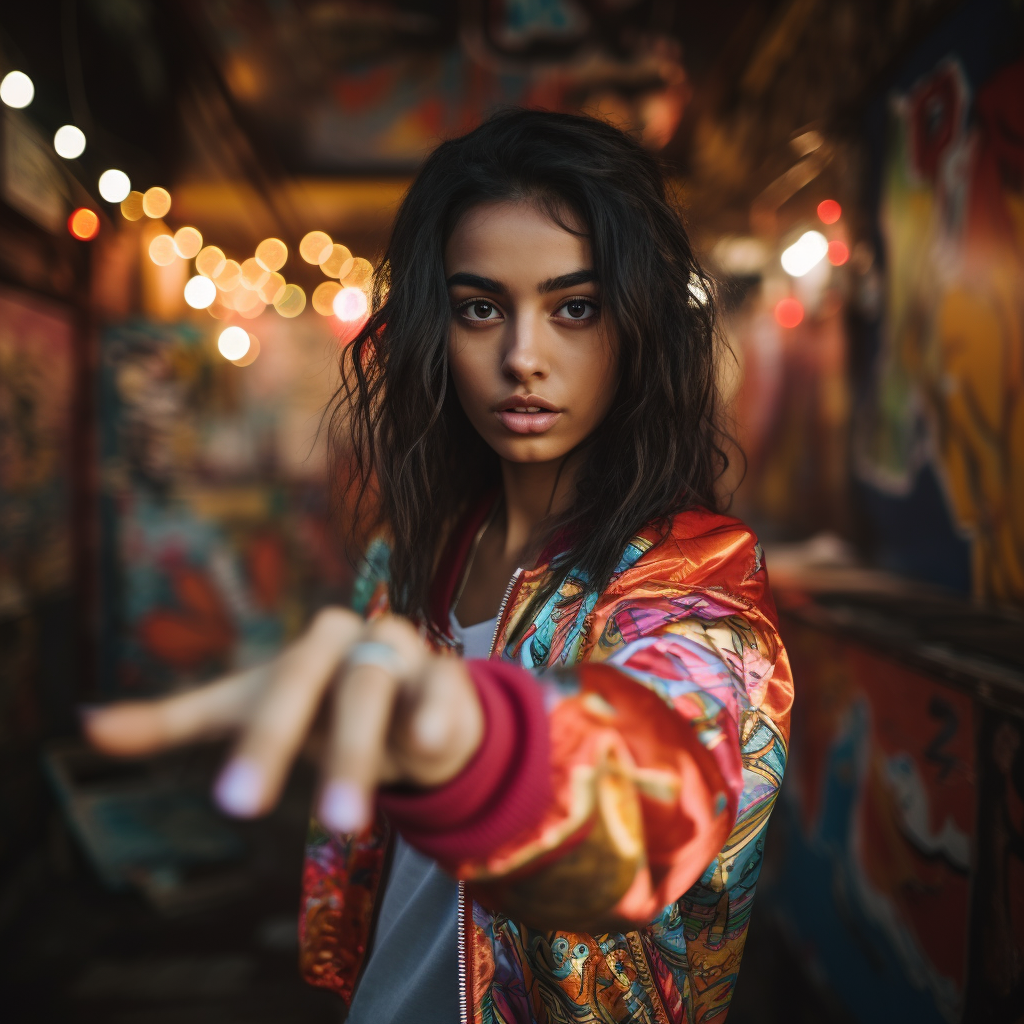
x,y
84,224
789,312
838,252
829,211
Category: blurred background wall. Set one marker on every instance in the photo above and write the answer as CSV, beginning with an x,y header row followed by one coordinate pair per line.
x,y
853,175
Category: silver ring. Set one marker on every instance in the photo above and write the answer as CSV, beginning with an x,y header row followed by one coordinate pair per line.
x,y
373,652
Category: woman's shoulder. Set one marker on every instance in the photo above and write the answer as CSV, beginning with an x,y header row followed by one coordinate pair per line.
x,y
699,549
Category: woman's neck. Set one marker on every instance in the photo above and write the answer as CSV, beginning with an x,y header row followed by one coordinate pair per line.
x,y
533,492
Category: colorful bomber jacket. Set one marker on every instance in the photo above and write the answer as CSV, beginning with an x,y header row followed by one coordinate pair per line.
x,y
626,895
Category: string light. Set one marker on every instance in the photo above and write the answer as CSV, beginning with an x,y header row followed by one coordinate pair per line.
x,y
210,261
804,254
17,90
271,254
156,202
114,185
187,242
359,275
233,342
131,206
200,292
829,211
250,356
69,142
227,278
838,252
161,250
253,275
350,304
315,247
272,289
84,224
789,312
323,297
292,301
338,262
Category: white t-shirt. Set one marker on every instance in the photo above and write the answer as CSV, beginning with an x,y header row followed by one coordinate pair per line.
x,y
475,640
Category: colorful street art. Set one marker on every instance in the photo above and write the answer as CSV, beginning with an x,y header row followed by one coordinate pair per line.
x,y
876,820
36,408
950,384
217,538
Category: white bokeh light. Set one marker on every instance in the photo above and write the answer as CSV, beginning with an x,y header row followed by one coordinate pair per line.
x,y
350,304
17,90
806,252
114,185
200,292
69,142
233,342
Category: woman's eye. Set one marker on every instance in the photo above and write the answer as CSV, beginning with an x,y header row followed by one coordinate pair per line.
x,y
578,309
480,310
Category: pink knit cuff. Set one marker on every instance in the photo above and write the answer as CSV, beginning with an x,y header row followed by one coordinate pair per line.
x,y
503,790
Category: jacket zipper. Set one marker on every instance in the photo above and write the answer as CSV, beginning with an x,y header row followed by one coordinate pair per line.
x,y
463,964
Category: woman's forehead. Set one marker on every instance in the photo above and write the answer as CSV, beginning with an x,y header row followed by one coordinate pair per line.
x,y
521,238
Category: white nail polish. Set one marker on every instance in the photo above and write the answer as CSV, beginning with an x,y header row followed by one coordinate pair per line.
x,y
343,807
239,788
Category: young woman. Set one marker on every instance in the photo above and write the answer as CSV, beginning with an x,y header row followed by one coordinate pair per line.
x,y
563,685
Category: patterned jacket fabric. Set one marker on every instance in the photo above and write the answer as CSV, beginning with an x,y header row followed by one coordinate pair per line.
x,y
668,699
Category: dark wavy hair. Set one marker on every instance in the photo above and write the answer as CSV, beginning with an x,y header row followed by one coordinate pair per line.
x,y
413,455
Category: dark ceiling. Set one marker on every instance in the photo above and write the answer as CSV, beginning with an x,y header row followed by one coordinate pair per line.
x,y
270,89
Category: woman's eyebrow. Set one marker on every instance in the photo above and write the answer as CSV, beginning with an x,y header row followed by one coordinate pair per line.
x,y
485,284
554,284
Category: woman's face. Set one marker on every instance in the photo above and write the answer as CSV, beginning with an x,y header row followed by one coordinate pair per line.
x,y
534,363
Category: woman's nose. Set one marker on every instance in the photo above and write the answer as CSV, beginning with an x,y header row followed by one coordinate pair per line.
x,y
524,354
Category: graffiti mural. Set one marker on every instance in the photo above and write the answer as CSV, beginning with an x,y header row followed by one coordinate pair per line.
x,y
878,816
950,385
217,539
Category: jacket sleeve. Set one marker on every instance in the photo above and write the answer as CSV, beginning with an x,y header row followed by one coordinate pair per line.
x,y
638,780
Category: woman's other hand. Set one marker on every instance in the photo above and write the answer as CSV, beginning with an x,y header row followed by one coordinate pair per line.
x,y
396,712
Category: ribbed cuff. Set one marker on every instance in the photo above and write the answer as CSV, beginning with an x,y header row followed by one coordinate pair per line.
x,y
503,790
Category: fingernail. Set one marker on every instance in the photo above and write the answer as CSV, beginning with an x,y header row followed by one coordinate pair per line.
x,y
239,787
343,807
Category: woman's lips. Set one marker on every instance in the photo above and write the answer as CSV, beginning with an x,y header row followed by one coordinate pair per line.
x,y
528,422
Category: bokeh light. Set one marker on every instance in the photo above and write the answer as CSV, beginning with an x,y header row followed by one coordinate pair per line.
x,y
84,224
210,261
829,211
253,275
804,254
271,289
244,300
315,247
338,262
255,310
359,275
292,301
187,242
69,142
789,312
233,342
200,292
17,90
271,254
131,206
250,357
323,297
838,252
162,251
228,277
350,304
114,185
156,202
